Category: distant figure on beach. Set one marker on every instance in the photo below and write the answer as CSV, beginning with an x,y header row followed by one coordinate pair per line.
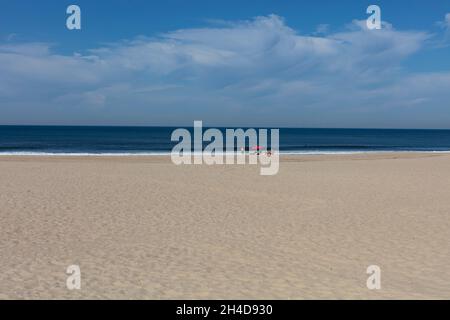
x,y
257,149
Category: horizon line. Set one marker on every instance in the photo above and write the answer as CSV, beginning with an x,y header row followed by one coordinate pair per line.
x,y
220,127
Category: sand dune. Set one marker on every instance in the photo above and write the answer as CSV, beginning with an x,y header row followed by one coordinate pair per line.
x,y
144,228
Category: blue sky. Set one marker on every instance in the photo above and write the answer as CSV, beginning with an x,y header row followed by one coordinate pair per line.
x,y
228,63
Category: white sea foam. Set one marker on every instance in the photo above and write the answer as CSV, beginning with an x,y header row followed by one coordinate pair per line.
x,y
320,152
83,154
147,154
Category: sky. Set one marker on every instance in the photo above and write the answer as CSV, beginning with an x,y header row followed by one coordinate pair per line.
x,y
233,63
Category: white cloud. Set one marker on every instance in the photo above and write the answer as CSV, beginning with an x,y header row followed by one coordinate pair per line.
x,y
322,29
11,36
446,22
259,71
445,25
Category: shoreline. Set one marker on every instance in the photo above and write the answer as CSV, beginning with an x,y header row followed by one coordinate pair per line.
x,y
282,157
168,154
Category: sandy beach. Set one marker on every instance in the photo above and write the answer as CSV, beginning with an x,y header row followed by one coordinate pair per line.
x,y
141,227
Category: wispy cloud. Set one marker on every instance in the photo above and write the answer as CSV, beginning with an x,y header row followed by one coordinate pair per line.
x,y
322,29
446,22
259,71
445,25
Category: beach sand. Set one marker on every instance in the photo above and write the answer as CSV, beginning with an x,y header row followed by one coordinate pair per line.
x,y
141,227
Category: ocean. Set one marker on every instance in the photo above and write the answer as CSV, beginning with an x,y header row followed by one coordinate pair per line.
x,y
91,140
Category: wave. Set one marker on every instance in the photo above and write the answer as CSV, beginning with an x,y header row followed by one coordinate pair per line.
x,y
319,152
149,154
83,154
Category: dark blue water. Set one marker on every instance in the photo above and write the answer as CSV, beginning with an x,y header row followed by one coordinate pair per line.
x,y
156,140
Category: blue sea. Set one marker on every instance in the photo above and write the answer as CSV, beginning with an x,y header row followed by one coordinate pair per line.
x,y
90,140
